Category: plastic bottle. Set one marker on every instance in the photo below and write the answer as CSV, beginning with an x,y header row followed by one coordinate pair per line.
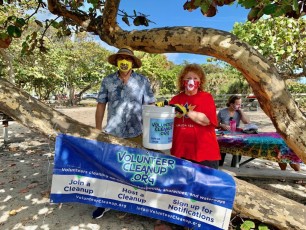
x,y
232,125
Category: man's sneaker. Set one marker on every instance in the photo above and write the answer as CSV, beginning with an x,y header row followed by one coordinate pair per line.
x,y
99,212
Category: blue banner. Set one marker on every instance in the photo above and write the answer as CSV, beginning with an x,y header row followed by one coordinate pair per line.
x,y
141,182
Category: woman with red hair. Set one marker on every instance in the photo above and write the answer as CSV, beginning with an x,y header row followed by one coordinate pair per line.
x,y
194,136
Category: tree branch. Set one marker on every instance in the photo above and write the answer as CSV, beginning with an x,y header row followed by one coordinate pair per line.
x,y
293,75
90,23
110,15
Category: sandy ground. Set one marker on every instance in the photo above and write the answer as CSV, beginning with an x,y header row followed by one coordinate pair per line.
x,y
26,163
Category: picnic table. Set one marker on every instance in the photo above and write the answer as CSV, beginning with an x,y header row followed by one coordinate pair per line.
x,y
265,145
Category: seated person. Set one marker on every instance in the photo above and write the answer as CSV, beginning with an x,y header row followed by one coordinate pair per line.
x,y
232,111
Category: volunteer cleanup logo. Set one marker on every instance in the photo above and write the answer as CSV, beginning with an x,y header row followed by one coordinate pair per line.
x,y
145,169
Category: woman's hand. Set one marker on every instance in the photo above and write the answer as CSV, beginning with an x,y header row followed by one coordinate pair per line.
x,y
245,119
224,127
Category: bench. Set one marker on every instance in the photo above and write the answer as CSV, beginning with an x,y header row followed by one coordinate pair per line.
x,y
266,173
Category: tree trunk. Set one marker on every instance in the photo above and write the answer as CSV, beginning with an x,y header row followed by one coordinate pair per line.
x,y
270,208
251,201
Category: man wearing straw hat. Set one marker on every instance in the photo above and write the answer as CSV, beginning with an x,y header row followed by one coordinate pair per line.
x,y
124,92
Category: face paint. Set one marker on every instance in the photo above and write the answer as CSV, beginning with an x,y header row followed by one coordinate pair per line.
x,y
191,84
124,65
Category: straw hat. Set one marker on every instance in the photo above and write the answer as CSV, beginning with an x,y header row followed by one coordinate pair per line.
x,y
126,51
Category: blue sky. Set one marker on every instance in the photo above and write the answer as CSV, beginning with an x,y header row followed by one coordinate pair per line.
x,y
171,13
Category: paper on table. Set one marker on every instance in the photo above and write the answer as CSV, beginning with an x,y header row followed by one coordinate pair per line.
x,y
250,126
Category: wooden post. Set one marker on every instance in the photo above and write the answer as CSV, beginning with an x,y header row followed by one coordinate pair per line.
x,y
5,131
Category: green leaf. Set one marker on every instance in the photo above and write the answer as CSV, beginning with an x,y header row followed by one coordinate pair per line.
x,y
11,18
25,44
249,4
55,24
14,31
126,20
289,49
252,15
39,23
93,2
205,7
269,9
287,8
263,227
295,6
136,21
198,2
247,225
3,35
20,22
279,11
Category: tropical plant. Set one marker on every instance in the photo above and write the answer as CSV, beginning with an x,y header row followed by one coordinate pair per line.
x,y
281,40
155,67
